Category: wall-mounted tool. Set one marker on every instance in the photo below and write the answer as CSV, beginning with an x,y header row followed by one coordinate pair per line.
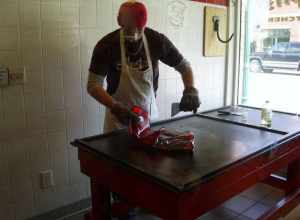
x,y
215,31
216,26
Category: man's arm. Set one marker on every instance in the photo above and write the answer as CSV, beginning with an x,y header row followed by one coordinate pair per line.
x,y
96,90
185,69
190,100
173,58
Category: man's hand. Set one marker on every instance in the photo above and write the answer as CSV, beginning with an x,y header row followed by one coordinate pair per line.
x,y
190,100
123,114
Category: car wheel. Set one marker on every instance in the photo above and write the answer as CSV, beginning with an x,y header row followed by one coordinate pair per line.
x,y
255,66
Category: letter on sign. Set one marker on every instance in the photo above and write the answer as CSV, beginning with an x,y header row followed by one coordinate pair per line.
x,y
279,3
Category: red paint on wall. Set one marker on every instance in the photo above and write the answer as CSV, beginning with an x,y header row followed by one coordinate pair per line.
x,y
217,2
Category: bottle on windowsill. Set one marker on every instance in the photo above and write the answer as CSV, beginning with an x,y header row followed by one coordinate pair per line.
x,y
266,115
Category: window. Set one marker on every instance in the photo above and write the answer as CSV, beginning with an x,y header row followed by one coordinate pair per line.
x,y
294,48
270,62
280,47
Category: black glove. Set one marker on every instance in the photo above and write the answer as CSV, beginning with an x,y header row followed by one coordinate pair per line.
x,y
123,114
190,100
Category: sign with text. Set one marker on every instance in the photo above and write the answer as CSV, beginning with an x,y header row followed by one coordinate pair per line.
x,y
284,19
273,4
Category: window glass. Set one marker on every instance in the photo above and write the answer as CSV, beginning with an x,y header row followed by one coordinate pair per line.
x,y
294,48
270,61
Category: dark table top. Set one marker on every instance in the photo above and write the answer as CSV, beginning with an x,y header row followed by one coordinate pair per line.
x,y
218,144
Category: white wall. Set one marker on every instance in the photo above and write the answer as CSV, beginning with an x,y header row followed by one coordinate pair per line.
x,y
54,40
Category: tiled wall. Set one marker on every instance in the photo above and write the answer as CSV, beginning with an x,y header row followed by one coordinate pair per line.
x,y
54,40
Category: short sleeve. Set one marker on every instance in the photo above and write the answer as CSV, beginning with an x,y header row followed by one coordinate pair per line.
x,y
100,61
170,54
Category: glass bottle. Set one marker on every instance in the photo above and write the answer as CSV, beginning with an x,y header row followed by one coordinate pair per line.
x,y
266,114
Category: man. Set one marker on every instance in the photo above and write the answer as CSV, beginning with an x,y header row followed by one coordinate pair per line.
x,y
128,59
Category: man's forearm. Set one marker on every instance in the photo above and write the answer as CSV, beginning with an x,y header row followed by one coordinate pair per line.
x,y
190,100
95,89
185,69
188,78
102,96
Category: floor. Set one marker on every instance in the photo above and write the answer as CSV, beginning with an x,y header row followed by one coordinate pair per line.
x,y
249,205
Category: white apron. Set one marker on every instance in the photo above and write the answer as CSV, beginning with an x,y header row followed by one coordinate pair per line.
x,y
135,88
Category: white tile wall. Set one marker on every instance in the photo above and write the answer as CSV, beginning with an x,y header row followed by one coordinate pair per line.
x,y
105,10
31,53
75,177
59,157
7,207
50,14
33,102
24,200
39,156
69,14
74,192
30,15
8,39
46,200
56,121
9,15
71,69
18,163
88,13
13,108
4,168
54,40
75,124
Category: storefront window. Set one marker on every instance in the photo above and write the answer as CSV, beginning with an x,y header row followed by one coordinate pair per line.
x,y
271,54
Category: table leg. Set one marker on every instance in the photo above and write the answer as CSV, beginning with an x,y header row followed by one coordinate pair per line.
x,y
293,176
101,208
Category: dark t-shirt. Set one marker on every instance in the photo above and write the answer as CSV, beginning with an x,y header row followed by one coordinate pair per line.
x,y
106,59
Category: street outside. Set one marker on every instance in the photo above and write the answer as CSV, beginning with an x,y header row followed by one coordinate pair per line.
x,y
272,39
281,88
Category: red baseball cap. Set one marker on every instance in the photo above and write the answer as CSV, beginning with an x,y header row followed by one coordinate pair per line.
x,y
132,13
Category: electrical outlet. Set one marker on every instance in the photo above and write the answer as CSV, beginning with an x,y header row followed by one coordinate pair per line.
x,y
4,77
46,179
17,78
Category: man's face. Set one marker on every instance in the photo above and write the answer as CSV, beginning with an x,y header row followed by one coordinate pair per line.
x,y
133,34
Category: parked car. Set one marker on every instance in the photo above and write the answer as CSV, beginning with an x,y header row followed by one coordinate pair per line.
x,y
281,56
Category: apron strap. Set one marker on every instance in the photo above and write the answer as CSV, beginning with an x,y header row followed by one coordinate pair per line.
x,y
148,55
